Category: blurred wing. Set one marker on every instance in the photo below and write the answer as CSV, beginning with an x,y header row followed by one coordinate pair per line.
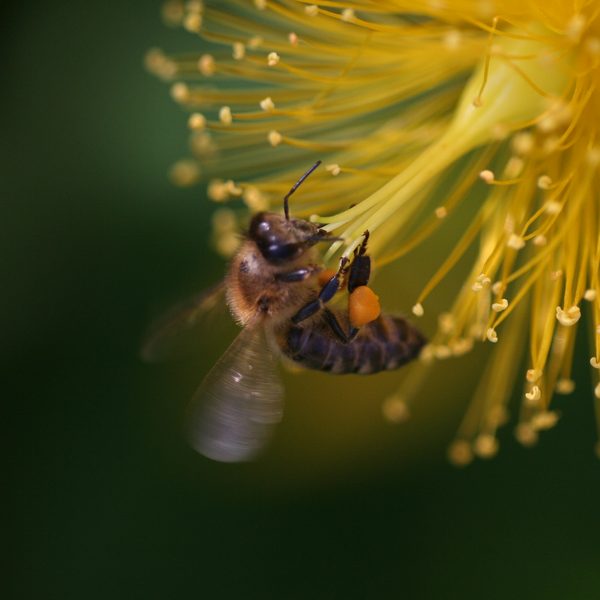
x,y
232,414
179,327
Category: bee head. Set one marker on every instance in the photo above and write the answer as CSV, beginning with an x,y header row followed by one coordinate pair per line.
x,y
280,240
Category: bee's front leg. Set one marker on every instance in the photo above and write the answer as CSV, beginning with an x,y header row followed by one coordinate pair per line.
x,y
327,292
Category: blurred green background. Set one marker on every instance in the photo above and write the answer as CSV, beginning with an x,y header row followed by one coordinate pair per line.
x,y
106,500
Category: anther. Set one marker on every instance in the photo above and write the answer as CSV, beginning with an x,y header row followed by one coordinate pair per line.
x,y
180,92
347,14
487,176
597,391
485,445
441,212
594,362
225,115
442,352
491,335
260,4
589,295
544,182
254,199
395,410
569,316
540,240
446,322
544,420
267,104
272,59
533,396
239,51
275,138
526,435
500,305
206,65
516,242
185,173
552,207
312,10
565,386
523,143
293,38
334,169
533,375
460,453
197,122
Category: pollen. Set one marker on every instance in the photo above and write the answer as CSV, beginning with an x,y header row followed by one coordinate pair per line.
x,y
363,306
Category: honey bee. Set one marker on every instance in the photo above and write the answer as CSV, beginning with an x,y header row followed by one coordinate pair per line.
x,y
278,292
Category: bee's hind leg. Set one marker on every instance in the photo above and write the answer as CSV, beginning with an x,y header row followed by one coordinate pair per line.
x,y
332,321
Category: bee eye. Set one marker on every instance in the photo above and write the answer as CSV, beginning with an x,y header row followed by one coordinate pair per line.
x,y
281,252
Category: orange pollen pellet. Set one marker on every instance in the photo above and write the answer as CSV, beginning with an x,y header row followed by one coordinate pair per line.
x,y
363,306
325,275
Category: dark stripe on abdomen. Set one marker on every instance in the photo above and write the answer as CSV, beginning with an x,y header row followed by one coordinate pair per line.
x,y
383,345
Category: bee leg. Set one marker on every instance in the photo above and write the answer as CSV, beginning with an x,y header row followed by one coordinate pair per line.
x,y
332,321
327,292
360,270
296,274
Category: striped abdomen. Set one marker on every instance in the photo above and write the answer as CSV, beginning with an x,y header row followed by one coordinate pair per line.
x,y
382,345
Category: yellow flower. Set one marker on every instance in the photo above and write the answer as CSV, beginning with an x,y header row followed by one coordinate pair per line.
x,y
471,128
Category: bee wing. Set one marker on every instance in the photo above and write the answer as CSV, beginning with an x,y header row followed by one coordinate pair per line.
x,y
234,410
176,329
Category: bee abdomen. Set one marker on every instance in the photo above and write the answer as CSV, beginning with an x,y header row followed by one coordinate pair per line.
x,y
383,345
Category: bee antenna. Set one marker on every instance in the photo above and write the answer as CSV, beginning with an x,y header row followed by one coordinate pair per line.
x,y
286,208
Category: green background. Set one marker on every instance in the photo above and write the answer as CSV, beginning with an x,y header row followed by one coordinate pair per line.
x,y
106,500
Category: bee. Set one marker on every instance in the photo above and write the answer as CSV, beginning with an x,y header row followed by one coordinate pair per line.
x,y
278,291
